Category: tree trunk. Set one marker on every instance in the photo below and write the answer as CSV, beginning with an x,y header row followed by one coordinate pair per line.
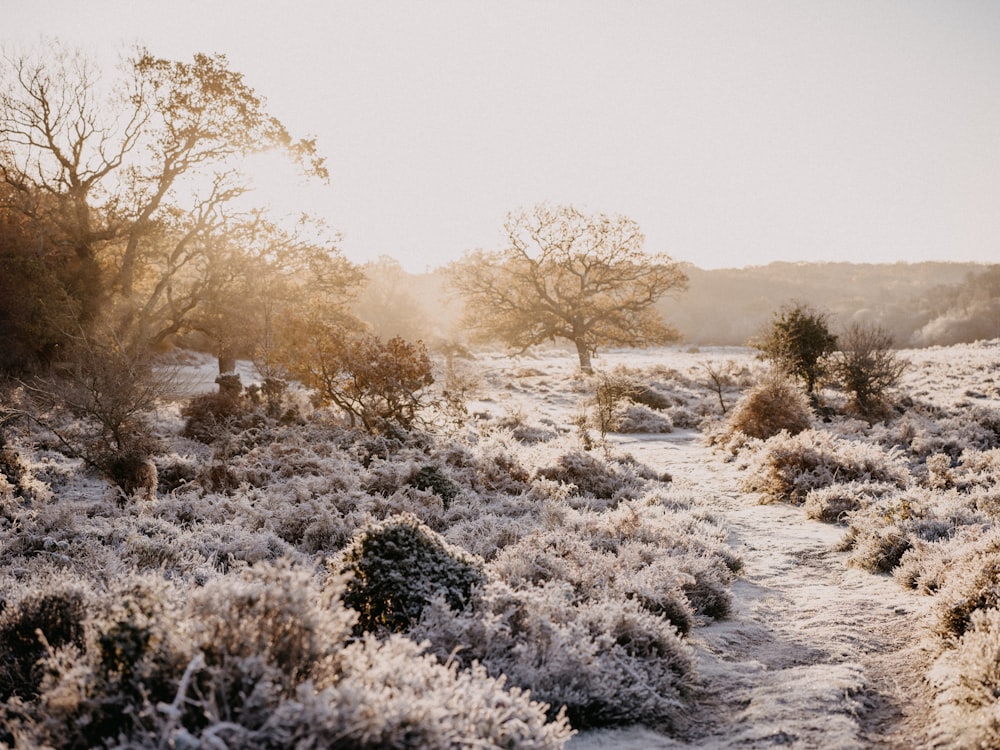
x,y
227,360
583,351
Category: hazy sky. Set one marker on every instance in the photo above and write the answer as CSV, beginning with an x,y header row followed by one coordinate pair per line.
x,y
735,133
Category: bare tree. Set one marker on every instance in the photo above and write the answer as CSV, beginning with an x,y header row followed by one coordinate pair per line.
x,y
568,275
867,366
719,380
138,175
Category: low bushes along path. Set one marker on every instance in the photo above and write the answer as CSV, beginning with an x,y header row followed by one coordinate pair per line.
x,y
814,655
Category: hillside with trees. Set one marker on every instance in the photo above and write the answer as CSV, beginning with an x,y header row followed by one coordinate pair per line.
x,y
920,304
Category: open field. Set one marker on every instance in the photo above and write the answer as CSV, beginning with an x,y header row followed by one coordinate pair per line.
x,y
517,575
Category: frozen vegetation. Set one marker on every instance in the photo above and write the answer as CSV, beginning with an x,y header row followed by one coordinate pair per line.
x,y
675,552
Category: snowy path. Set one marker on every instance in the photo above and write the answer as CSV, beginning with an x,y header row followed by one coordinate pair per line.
x,y
814,655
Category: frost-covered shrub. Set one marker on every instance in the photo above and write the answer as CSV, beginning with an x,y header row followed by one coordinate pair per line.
x,y
685,418
271,615
96,692
651,397
967,681
607,662
522,430
209,416
787,468
397,566
174,470
133,471
636,418
492,465
939,474
880,550
972,587
669,564
833,503
657,583
391,695
12,466
867,366
774,405
432,478
592,476
48,618
883,533
258,661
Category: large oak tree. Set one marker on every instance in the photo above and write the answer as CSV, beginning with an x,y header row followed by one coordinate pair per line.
x,y
566,274
135,177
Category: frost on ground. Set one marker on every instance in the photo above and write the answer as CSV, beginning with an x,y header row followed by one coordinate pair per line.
x,y
525,571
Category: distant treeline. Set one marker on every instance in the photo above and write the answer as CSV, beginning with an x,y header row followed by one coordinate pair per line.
x,y
920,304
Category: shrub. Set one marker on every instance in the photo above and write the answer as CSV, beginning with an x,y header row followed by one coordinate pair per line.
x,y
379,383
641,419
592,476
54,618
611,392
209,416
132,470
867,367
973,587
261,660
608,662
788,467
430,477
391,695
798,342
833,503
967,679
772,406
397,566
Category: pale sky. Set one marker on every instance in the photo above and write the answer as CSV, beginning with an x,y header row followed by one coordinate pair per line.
x,y
735,133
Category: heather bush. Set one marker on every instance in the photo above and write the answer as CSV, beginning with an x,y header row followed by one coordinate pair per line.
x,y
210,416
786,468
774,405
636,418
260,660
670,564
833,503
432,478
49,618
607,662
881,535
521,429
392,695
971,587
494,465
967,681
656,583
593,477
397,566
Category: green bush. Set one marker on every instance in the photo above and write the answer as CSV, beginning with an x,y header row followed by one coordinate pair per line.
x,y
798,342
431,478
397,567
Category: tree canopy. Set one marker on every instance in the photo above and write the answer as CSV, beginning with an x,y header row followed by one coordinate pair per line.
x,y
566,274
130,183
798,342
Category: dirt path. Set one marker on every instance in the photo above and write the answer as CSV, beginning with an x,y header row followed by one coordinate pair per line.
x,y
815,654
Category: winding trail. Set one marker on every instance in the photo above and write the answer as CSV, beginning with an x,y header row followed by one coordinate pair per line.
x,y
814,655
